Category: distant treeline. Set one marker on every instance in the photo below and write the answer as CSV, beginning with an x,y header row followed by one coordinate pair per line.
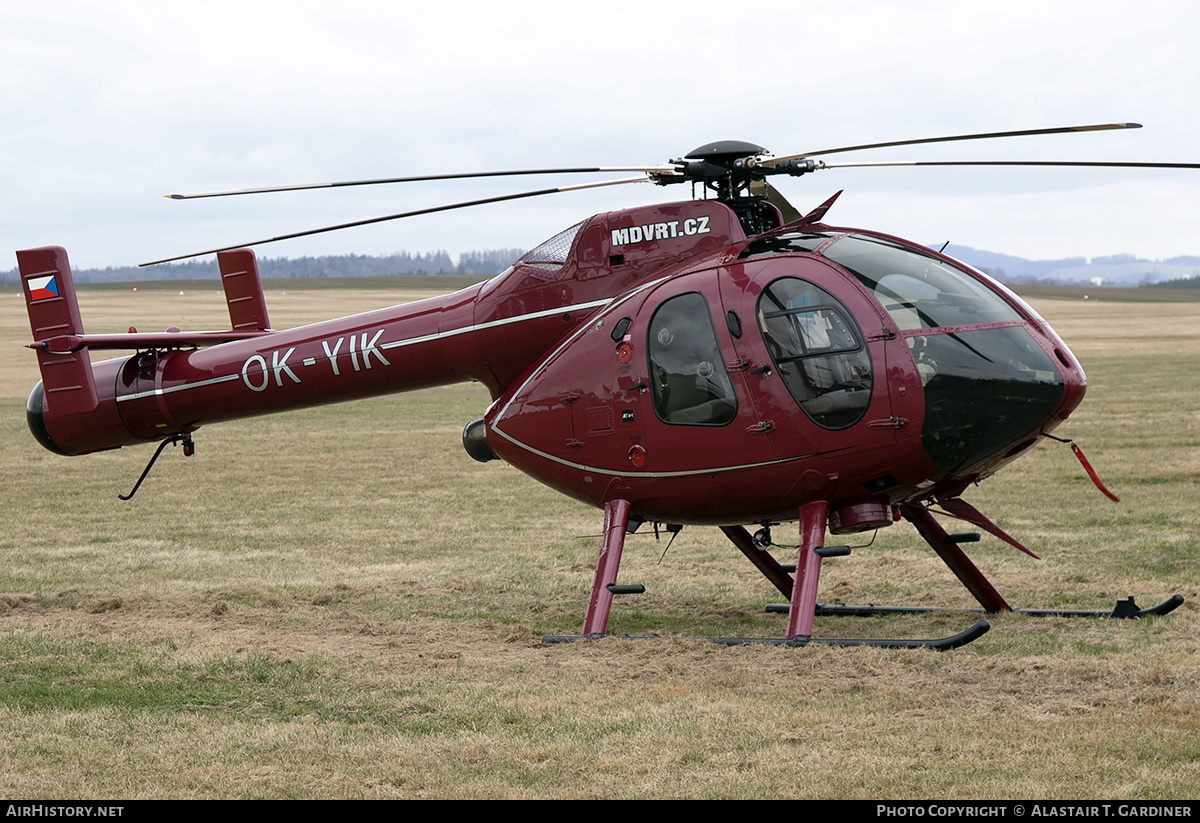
x,y
1192,282
489,261
1120,269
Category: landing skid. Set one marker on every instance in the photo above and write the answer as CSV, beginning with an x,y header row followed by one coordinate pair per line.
x,y
1125,609
940,644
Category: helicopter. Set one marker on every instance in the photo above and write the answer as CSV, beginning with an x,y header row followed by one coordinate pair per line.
x,y
722,361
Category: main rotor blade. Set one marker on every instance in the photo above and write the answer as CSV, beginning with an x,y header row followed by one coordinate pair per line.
x,y
662,169
1090,163
773,161
639,179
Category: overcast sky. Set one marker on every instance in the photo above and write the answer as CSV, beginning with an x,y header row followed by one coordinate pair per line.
x,y
108,106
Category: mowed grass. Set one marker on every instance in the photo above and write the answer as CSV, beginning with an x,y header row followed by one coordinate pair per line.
x,y
341,603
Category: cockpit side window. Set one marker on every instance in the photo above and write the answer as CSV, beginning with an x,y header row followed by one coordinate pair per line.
x,y
551,255
688,380
818,351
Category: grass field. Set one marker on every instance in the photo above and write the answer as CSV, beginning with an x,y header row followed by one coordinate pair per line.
x,y
341,603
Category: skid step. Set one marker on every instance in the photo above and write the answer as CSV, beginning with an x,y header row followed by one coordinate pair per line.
x,y
613,588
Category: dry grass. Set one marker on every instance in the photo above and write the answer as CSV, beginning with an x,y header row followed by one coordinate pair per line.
x,y
340,603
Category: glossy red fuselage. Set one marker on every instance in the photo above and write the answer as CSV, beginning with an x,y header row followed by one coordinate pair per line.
x,y
591,398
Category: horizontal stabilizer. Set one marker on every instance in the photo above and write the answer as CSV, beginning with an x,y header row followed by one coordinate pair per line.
x,y
68,343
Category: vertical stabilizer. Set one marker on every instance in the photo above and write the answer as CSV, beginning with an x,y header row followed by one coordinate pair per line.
x,y
243,290
67,377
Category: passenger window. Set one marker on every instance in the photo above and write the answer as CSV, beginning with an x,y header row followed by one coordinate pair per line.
x,y
818,351
688,380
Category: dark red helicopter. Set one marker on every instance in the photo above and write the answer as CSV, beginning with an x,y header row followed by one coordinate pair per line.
x,y
720,361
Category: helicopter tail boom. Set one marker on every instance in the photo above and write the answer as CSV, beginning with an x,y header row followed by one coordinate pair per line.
x,y
178,381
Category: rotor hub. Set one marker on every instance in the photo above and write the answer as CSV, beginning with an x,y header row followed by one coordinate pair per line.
x,y
724,152
728,167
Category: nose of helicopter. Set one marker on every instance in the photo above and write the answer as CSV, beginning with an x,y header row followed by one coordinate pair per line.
x,y
990,392
1074,385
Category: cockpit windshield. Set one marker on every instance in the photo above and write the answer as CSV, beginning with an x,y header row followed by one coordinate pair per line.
x,y
987,382
918,291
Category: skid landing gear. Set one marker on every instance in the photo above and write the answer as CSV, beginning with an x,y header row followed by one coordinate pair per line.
x,y
947,548
801,591
798,583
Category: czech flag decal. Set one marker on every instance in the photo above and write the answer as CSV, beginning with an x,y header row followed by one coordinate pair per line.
x,y
43,288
